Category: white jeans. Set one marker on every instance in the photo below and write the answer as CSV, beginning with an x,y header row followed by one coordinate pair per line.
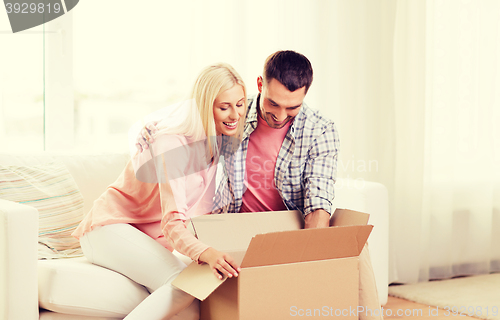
x,y
126,250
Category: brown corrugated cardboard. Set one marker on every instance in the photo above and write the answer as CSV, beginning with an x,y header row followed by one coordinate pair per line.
x,y
302,245
233,232
230,233
345,217
286,272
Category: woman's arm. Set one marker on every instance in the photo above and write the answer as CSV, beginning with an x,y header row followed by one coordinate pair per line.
x,y
220,262
174,207
183,241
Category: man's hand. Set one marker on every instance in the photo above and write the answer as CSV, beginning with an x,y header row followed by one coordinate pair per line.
x,y
146,135
317,219
220,262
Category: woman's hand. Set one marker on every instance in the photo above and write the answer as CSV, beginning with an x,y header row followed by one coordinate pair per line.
x,y
220,262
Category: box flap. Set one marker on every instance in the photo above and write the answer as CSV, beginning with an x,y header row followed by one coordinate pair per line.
x,y
346,217
198,280
230,233
306,245
233,232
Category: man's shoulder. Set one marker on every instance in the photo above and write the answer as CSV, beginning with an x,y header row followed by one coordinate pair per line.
x,y
312,119
251,98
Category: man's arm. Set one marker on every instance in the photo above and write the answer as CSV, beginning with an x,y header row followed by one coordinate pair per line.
x,y
317,219
319,176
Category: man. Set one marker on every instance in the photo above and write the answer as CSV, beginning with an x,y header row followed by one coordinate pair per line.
x,y
288,157
288,153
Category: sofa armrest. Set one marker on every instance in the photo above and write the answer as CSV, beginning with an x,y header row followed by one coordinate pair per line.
x,y
372,198
18,261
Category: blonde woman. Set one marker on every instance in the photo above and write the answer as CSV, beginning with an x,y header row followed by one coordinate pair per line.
x,y
141,218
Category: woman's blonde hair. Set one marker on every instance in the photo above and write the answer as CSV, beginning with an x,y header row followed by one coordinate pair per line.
x,y
199,122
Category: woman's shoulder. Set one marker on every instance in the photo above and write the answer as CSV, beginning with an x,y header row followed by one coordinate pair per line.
x,y
171,140
178,144
162,144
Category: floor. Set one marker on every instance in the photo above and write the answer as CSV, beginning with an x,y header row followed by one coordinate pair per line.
x,y
394,309
403,309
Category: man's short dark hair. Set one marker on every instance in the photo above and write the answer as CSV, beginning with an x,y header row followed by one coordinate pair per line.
x,y
291,69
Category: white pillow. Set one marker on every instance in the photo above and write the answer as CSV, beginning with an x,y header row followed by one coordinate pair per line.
x,y
50,189
75,286
49,315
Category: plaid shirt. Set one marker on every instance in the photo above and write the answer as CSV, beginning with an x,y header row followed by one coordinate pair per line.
x,y
305,169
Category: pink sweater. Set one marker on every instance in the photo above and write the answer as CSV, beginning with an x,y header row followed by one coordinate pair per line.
x,y
161,210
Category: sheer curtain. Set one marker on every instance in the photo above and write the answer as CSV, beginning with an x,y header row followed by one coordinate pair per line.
x,y
414,88
446,205
447,164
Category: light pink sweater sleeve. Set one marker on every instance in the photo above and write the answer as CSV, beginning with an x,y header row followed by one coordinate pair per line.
x,y
174,204
180,238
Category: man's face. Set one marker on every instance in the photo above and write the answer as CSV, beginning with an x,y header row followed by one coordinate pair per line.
x,y
278,105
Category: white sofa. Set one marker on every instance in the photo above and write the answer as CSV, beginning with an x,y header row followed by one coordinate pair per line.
x,y
75,289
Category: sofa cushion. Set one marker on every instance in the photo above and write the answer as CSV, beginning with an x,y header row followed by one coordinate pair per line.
x,y
91,172
49,315
50,189
75,286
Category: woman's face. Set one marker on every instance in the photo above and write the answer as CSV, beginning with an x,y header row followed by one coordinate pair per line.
x,y
229,110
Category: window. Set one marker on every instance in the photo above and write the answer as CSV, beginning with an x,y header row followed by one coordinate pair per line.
x,y
81,81
21,88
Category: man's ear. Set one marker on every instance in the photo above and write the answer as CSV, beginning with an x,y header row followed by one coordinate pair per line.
x,y
260,83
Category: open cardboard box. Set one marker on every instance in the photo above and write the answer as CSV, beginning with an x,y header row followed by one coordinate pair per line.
x,y
286,271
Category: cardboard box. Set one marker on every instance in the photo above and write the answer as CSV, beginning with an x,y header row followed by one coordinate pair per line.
x,y
286,271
